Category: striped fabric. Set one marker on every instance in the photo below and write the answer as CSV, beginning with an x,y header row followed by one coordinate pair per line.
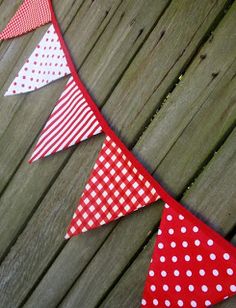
x,y
71,121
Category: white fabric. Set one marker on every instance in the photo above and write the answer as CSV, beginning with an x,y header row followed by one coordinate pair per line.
x,y
46,64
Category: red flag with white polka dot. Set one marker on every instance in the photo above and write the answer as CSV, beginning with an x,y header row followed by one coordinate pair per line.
x,y
115,188
30,15
71,122
47,63
192,266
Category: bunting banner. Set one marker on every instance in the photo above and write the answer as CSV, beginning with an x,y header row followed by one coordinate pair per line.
x,y
71,122
191,266
115,188
47,63
30,15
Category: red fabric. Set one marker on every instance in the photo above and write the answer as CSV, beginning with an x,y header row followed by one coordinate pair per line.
x,y
189,268
71,121
114,189
30,15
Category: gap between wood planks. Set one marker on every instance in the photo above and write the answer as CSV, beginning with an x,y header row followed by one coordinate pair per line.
x,y
215,149
181,74
72,149
142,247
220,142
26,38
19,105
172,86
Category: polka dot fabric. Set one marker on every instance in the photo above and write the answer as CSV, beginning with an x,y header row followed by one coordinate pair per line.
x,y
30,15
46,64
188,268
114,189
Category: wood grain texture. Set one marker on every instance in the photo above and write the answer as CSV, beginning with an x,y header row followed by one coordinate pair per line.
x,y
85,290
29,196
128,291
27,130
129,55
36,106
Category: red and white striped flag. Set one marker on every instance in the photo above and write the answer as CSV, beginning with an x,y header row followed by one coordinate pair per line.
x,y
30,15
115,188
71,121
191,266
47,63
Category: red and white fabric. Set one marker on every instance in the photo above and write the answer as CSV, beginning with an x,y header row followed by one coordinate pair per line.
x,y
30,15
115,188
71,121
189,267
46,64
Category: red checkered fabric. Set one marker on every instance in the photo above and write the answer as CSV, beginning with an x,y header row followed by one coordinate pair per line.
x,y
114,189
189,268
71,121
30,15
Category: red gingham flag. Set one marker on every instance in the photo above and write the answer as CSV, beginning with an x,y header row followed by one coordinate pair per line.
x,y
71,121
189,267
30,15
46,64
115,188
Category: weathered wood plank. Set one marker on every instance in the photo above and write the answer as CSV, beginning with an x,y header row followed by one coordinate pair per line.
x,y
128,291
47,222
172,120
34,188
28,129
13,54
199,18
7,11
96,275
160,62
222,103
105,266
14,109
40,175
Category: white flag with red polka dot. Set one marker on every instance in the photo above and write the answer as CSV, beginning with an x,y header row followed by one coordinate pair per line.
x,y
71,122
47,63
30,15
115,188
191,266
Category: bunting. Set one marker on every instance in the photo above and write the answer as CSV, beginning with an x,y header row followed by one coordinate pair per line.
x,y
189,267
71,121
115,188
192,266
47,63
30,15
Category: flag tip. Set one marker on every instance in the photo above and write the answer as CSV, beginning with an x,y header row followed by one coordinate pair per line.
x,y
66,237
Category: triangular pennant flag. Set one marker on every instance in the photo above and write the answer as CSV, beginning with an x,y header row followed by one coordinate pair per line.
x,y
115,188
46,64
71,121
30,15
190,267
